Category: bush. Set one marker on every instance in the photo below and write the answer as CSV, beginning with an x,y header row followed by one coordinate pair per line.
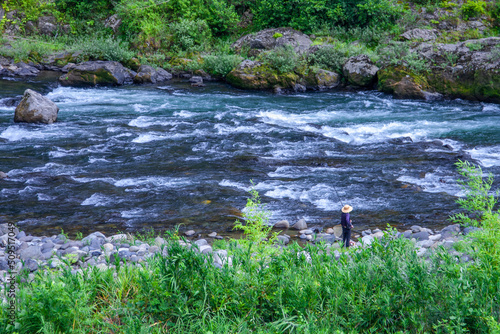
x,y
334,57
221,65
256,227
102,48
473,8
188,35
309,16
282,59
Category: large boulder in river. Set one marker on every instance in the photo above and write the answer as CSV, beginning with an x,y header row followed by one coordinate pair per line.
x,y
92,73
34,108
147,74
360,71
268,39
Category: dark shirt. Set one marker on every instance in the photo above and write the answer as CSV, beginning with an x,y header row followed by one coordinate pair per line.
x,y
345,221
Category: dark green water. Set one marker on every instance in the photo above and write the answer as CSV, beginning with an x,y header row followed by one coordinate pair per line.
x,y
158,156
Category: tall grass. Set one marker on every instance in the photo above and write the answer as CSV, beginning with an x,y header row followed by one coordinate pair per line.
x,y
385,288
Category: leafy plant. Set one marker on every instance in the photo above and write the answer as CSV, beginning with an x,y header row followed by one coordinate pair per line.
x,y
478,201
189,35
256,227
282,59
473,8
474,46
220,65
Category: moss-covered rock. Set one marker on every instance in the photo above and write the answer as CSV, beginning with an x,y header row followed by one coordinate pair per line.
x,y
402,82
256,75
94,73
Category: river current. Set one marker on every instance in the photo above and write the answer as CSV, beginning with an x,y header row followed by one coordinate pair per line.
x,y
135,157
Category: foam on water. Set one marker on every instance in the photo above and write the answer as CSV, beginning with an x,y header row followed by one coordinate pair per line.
x,y
134,213
97,200
146,138
438,182
233,184
18,133
140,108
146,183
44,197
487,156
146,121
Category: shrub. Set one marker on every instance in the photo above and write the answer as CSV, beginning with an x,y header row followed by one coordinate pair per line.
x,y
334,57
256,227
309,16
220,65
282,59
103,48
473,8
188,35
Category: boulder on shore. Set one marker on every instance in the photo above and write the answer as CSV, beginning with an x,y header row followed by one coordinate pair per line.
x,y
147,74
268,39
34,108
92,73
360,71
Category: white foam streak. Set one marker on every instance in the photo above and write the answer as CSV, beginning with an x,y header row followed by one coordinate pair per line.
x,y
97,200
488,156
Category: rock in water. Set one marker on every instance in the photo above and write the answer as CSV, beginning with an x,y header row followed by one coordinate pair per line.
x,y
92,73
34,108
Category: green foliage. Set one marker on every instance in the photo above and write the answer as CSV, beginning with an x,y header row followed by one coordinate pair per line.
x,y
382,288
495,54
277,35
220,65
475,46
256,227
104,48
473,8
309,16
85,15
480,203
478,200
32,9
21,48
281,59
189,35
334,57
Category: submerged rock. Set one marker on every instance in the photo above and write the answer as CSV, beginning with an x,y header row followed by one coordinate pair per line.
x,y
34,108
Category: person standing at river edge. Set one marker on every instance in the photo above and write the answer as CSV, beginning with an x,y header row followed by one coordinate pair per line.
x,y
346,222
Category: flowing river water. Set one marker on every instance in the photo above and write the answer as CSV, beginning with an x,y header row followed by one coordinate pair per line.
x,y
135,157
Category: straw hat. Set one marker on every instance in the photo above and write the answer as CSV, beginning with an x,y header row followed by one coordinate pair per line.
x,y
346,208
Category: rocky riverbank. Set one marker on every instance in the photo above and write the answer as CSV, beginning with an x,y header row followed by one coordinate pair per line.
x,y
285,60
22,252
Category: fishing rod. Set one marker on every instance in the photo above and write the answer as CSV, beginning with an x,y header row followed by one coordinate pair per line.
x,y
340,199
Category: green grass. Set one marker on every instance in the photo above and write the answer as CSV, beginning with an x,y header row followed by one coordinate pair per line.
x,y
385,288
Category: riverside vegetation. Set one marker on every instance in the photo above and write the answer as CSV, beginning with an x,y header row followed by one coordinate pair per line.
x,y
440,47
381,287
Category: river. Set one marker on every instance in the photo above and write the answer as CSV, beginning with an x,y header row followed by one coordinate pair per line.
x,y
135,157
